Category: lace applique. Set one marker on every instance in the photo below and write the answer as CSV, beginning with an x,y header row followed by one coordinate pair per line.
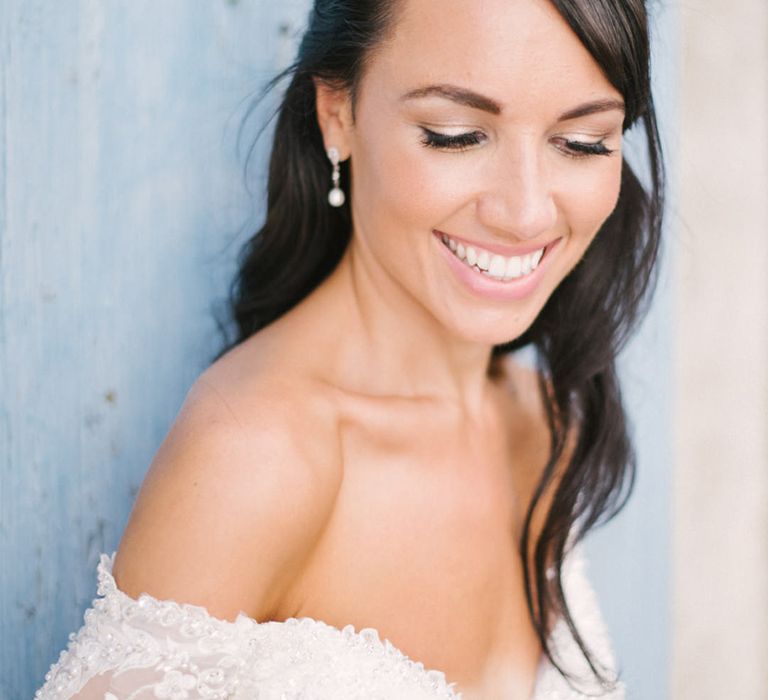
x,y
149,648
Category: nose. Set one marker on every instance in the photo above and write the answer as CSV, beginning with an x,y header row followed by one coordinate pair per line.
x,y
517,200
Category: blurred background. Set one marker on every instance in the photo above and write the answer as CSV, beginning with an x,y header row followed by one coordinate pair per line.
x,y
123,204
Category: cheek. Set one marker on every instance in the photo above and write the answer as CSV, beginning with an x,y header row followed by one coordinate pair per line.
x,y
401,190
588,197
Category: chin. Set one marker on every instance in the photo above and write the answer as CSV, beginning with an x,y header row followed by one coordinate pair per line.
x,y
495,333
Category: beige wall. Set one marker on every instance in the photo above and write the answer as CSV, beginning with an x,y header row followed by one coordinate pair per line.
x,y
720,550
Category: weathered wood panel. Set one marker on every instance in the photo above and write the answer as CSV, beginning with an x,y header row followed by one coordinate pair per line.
x,y
122,206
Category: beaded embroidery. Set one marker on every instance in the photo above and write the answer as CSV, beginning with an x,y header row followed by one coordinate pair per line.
x,y
149,648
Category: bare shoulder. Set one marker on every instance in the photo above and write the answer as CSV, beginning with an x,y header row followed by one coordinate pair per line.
x,y
237,496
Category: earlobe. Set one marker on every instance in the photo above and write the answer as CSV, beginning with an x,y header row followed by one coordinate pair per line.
x,y
333,116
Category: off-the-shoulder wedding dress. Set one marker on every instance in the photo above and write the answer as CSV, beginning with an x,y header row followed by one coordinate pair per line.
x,y
149,648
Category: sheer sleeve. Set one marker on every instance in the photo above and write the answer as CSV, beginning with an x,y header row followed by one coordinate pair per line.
x,y
148,648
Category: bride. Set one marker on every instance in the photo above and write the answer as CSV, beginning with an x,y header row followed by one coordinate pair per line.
x,y
371,492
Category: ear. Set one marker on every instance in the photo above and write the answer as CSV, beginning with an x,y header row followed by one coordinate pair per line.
x,y
334,116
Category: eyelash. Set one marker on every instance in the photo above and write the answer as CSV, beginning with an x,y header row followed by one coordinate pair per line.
x,y
461,142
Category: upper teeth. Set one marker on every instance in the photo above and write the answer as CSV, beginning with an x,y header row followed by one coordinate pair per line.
x,y
492,264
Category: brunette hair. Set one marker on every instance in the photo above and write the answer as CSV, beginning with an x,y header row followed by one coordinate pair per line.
x,y
578,333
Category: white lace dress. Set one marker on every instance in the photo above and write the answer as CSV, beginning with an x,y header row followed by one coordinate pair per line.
x,y
149,648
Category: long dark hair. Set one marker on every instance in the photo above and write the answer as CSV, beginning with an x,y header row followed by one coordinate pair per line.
x,y
578,333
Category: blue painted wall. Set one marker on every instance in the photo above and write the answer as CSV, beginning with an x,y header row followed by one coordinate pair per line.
x,y
121,209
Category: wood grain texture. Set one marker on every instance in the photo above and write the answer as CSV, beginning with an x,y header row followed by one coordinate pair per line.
x,y
122,210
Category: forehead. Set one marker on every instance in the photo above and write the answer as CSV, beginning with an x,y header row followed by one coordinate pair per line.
x,y
518,52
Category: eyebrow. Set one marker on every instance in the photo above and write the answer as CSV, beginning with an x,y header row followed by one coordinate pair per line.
x,y
475,100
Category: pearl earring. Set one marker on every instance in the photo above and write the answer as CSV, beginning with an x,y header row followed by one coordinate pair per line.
x,y
336,195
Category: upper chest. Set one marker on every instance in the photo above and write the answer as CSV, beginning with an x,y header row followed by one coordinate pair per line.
x,y
423,540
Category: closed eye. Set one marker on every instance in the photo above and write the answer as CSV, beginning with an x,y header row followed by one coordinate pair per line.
x,y
454,142
582,149
461,142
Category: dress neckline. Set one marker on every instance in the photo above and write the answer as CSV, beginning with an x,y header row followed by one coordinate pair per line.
x,y
367,636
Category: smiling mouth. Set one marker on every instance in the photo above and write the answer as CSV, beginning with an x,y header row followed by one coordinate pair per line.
x,y
498,267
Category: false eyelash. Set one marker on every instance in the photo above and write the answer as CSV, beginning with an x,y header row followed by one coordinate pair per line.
x,y
579,149
460,142
433,139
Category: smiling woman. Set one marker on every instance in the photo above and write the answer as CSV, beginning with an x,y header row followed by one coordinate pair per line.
x,y
368,454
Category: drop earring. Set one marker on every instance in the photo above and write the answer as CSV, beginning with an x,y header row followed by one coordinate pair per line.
x,y
336,195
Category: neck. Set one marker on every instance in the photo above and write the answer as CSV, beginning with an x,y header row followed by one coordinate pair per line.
x,y
387,343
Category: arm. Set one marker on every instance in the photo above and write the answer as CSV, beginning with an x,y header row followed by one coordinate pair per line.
x,y
231,508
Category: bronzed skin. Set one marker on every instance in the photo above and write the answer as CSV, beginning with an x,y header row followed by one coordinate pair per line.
x,y
389,485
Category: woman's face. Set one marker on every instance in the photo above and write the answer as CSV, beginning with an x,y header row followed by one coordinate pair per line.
x,y
489,123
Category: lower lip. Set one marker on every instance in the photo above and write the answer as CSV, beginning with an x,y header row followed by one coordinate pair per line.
x,y
490,288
